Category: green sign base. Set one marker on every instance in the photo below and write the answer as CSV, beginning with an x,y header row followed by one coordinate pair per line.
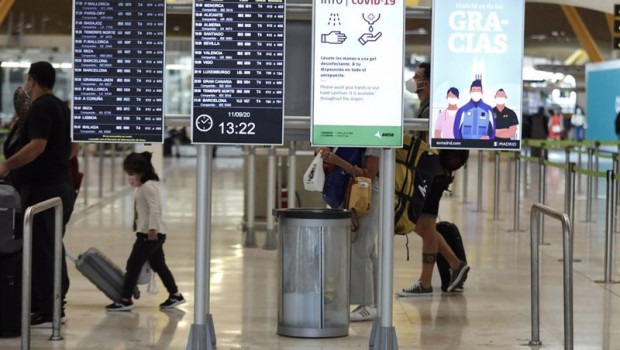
x,y
357,136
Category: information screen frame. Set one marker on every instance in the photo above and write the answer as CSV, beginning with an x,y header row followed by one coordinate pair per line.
x,y
358,51
239,124
477,46
154,137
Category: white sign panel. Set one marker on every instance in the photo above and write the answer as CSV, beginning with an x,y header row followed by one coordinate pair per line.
x,y
358,72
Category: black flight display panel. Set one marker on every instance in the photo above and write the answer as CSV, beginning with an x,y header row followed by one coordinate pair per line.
x,y
238,82
118,70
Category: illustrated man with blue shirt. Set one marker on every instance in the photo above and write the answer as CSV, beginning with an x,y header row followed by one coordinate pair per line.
x,y
474,120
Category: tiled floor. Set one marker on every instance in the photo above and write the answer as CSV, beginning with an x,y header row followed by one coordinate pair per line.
x,y
492,313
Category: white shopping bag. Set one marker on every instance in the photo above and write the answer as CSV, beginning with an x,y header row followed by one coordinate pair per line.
x,y
314,178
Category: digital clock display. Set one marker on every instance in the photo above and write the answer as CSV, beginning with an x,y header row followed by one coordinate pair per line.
x,y
238,82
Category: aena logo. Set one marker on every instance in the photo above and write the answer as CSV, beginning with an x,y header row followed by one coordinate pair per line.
x,y
379,134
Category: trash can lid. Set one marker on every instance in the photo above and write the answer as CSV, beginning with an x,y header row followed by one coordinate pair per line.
x,y
313,213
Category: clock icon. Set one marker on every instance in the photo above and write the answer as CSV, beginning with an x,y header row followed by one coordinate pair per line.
x,y
204,123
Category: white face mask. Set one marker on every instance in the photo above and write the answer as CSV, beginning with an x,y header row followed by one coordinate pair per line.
x,y
500,100
133,181
453,101
411,86
476,96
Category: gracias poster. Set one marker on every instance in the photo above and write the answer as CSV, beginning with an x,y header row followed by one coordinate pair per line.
x,y
476,79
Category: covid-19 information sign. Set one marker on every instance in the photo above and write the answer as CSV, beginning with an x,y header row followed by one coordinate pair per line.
x,y
357,78
476,80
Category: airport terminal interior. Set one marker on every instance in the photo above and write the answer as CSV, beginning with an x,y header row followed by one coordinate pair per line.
x,y
494,309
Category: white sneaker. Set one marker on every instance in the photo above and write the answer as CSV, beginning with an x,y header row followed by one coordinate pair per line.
x,y
363,313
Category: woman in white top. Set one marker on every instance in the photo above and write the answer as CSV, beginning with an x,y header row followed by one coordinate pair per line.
x,y
444,125
150,233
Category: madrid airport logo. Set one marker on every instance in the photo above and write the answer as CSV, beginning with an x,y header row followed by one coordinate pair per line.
x,y
381,135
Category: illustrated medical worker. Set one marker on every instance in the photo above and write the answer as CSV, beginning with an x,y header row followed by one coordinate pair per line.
x,y
474,120
444,126
506,120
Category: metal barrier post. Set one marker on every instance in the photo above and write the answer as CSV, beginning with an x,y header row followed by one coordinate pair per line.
x,y
569,193
597,146
86,172
31,211
479,206
580,166
101,154
542,176
537,211
516,198
113,167
292,168
496,188
279,182
465,183
609,234
589,187
526,175
270,238
250,235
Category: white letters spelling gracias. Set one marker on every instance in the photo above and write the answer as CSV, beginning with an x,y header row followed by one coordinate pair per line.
x,y
475,33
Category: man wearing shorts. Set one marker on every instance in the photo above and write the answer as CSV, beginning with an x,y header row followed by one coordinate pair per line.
x,y
431,188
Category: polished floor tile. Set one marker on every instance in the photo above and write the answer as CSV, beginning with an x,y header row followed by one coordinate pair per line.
x,y
492,313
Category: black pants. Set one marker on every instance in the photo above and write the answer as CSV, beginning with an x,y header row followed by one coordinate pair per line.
x,y
43,245
153,252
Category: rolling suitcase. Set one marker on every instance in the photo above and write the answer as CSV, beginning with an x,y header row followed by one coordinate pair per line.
x,y
102,272
452,235
10,294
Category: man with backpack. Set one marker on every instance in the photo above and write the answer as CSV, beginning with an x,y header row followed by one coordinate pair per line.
x,y
429,187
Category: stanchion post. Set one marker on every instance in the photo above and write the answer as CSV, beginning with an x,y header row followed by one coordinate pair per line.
x,y
571,192
597,146
496,188
609,234
465,183
517,185
292,168
86,171
101,154
542,177
616,171
480,160
270,238
250,234
580,166
589,187
279,162
113,166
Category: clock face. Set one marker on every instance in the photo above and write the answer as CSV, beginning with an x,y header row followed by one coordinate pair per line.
x,y
204,123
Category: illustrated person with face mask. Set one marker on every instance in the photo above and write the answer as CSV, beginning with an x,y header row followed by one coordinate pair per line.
x,y
150,233
474,120
37,157
444,126
506,121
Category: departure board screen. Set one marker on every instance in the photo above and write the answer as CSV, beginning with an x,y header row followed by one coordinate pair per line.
x,y
238,82
118,70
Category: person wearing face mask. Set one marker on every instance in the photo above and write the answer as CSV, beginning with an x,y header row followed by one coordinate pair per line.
x,y
474,120
506,121
444,126
419,84
150,233
37,158
578,122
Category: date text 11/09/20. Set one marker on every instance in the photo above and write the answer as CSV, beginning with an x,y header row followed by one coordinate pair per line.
x,y
242,128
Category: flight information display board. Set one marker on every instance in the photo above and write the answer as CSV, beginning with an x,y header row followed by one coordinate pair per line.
x,y
238,70
118,70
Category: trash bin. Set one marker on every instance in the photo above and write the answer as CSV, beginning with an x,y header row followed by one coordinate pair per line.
x,y
314,260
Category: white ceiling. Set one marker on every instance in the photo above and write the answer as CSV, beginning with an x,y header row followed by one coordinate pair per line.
x,y
598,5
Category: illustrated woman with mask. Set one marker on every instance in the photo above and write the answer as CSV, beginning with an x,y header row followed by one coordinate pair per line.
x,y
474,120
444,126
150,233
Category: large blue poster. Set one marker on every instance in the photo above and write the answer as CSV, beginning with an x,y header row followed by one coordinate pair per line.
x,y
602,99
476,80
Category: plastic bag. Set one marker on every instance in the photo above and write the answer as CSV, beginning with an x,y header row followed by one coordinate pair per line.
x,y
314,177
151,288
146,275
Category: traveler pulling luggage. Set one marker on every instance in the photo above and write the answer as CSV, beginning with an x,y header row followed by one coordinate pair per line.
x,y
102,272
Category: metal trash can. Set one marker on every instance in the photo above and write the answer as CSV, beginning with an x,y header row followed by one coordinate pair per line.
x,y
314,261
